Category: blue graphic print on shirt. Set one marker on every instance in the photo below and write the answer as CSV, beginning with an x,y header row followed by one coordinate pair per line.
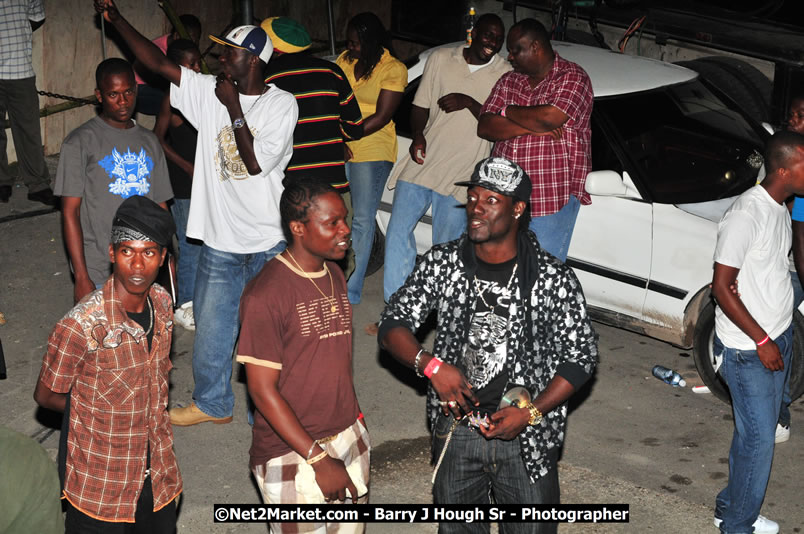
x,y
130,172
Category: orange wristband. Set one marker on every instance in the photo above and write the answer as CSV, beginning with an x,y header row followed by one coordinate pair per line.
x,y
432,367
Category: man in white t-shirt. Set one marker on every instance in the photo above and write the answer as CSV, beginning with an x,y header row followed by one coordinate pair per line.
x,y
753,329
245,140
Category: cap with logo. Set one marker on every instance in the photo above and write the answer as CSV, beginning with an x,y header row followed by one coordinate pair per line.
x,y
250,38
501,176
287,35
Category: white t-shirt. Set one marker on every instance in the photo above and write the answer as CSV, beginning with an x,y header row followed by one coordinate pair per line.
x,y
230,210
755,236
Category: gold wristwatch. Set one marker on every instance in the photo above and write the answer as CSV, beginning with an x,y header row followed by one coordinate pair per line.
x,y
535,415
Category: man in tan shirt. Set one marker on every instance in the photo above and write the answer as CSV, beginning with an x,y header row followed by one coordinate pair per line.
x,y
455,83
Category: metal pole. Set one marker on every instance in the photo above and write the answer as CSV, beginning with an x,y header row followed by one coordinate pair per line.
x,y
331,24
247,11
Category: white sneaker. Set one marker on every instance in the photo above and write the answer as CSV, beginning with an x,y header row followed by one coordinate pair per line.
x,y
782,433
762,525
184,316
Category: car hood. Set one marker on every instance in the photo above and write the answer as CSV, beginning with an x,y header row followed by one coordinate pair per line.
x,y
712,210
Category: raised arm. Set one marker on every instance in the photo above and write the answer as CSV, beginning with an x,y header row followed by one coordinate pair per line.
x,y
144,50
330,473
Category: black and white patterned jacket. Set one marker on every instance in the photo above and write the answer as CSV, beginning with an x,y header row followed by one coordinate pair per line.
x,y
549,331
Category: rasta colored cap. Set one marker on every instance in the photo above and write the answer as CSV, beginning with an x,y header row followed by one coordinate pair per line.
x,y
250,38
287,35
501,176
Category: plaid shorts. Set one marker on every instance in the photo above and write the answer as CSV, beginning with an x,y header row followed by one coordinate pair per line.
x,y
287,479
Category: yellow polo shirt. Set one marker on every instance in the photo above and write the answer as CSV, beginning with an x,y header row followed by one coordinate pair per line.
x,y
389,74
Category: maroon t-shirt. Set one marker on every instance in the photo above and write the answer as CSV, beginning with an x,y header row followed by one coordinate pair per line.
x,y
287,324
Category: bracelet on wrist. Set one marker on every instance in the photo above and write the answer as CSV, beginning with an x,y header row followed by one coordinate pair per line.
x,y
318,458
765,340
416,363
315,442
535,415
432,367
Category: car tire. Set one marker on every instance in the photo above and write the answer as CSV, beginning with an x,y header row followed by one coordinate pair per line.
x,y
377,255
740,83
706,363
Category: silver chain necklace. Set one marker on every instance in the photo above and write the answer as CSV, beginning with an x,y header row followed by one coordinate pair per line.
x,y
490,317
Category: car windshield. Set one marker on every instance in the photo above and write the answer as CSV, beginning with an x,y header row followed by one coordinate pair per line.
x,y
683,143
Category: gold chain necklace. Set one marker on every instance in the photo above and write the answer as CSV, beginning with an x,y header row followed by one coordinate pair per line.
x,y
331,299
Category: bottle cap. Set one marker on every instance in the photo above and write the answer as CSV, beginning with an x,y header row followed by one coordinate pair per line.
x,y
682,383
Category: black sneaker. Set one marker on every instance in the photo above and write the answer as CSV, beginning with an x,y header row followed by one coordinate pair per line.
x,y
5,193
45,196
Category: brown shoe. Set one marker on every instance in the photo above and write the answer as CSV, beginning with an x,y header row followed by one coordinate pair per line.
x,y
192,415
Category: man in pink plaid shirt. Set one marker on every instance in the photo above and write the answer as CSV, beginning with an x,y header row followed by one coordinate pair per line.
x,y
538,116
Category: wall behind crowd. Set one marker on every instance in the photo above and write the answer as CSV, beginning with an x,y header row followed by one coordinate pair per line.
x,y
67,48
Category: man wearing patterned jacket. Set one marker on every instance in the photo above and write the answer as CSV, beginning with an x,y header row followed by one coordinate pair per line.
x,y
509,316
538,116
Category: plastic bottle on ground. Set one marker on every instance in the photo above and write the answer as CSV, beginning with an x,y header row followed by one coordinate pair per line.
x,y
669,376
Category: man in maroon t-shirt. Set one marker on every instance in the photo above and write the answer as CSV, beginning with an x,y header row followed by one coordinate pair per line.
x,y
309,443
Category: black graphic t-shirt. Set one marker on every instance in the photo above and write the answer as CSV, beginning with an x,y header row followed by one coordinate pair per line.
x,y
487,350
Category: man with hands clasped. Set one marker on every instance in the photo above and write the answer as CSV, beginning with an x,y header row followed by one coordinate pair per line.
x,y
245,140
509,315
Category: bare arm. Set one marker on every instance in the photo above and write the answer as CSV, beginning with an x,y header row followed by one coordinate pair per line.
x,y
418,120
457,101
733,307
46,398
387,103
144,50
509,422
160,129
537,119
330,473
74,241
494,127
227,94
449,382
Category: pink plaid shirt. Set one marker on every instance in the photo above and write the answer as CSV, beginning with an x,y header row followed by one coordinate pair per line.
x,y
557,169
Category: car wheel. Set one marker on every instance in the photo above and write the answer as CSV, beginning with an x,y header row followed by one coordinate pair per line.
x,y
707,363
377,255
738,80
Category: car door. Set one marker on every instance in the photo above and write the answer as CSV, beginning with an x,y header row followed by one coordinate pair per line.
x,y
611,246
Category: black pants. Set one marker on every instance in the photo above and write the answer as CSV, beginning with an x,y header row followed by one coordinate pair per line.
x,y
146,520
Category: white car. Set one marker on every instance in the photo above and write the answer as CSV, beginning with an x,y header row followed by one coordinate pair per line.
x,y
669,156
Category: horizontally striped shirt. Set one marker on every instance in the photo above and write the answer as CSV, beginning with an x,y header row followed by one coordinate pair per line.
x,y
328,116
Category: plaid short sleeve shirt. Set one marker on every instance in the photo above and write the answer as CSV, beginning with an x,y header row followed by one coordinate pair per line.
x,y
557,168
118,404
15,37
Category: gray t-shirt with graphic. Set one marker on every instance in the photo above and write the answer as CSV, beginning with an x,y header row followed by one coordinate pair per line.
x,y
104,165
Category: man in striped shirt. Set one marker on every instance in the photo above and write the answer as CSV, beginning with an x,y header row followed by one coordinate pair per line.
x,y
328,111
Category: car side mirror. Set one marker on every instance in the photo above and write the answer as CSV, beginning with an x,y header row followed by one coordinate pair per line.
x,y
606,184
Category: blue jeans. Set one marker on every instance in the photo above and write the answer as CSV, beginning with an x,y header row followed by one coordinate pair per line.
x,y
554,231
410,204
756,394
475,469
366,182
188,251
784,410
220,281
